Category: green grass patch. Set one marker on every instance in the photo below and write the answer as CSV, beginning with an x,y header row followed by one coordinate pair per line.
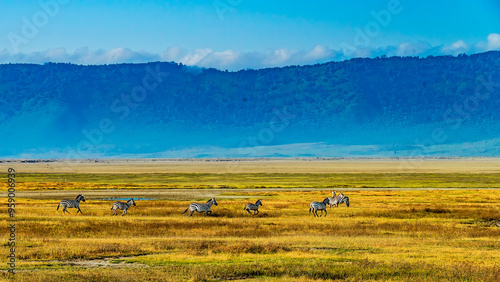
x,y
255,180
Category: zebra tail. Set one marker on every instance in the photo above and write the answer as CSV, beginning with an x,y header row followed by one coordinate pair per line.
x,y
185,211
309,210
58,206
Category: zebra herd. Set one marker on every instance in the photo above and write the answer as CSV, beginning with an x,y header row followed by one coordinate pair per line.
x,y
335,200
80,198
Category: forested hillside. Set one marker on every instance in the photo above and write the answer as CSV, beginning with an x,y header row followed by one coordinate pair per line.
x,y
114,110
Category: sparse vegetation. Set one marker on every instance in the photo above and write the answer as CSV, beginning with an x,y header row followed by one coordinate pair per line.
x,y
399,234
256,180
384,235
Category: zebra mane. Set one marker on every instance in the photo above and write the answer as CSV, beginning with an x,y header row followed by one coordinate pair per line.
x,y
81,195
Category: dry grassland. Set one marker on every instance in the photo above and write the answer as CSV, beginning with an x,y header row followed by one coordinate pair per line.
x,y
388,234
459,165
384,235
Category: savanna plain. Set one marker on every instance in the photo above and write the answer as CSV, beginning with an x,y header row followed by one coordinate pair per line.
x,y
408,220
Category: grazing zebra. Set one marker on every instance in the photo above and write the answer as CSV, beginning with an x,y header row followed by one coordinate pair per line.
x,y
332,199
72,204
254,207
122,206
201,207
319,206
341,198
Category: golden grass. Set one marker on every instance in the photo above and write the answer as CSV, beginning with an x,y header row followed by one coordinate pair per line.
x,y
459,165
437,235
96,181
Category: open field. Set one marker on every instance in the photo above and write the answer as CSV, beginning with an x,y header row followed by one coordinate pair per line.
x,y
458,165
94,181
390,234
407,234
372,173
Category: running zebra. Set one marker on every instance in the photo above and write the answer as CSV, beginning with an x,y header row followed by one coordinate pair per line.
x,y
72,204
332,199
122,206
201,207
341,198
319,206
254,207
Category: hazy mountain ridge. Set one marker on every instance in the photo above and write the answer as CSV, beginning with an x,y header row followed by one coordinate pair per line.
x,y
398,104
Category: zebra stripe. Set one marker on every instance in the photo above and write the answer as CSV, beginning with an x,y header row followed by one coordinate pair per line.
x,y
318,206
341,198
122,206
332,199
201,207
72,204
253,207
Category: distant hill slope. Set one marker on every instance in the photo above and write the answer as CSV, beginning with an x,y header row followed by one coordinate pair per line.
x,y
379,107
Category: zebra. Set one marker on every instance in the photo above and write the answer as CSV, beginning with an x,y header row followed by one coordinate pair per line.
x,y
122,206
201,207
319,206
332,199
341,198
254,207
72,204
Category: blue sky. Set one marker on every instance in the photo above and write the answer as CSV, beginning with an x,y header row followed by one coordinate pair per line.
x,y
236,34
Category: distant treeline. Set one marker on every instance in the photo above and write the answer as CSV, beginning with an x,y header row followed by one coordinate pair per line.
x,y
57,100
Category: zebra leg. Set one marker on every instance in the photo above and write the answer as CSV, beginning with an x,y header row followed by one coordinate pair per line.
x,y
191,213
79,211
255,212
248,211
326,212
209,212
65,211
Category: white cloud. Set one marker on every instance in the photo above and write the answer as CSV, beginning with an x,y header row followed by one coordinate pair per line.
x,y
456,48
279,56
413,48
235,60
318,52
492,43
80,56
173,53
195,57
